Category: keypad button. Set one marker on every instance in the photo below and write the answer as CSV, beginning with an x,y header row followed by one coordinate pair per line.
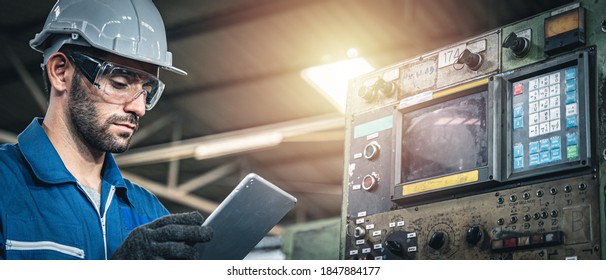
x,y
572,152
571,73
571,109
571,97
571,122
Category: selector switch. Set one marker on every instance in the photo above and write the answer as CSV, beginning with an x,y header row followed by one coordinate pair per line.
x,y
386,89
400,245
472,60
518,45
474,235
366,93
395,247
437,240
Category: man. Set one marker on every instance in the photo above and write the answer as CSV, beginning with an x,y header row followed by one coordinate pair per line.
x,y
61,193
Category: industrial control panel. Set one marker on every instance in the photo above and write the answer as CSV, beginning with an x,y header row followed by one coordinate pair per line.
x,y
490,148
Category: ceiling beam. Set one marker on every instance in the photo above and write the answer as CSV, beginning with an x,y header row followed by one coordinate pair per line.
x,y
187,148
152,128
175,195
25,76
240,15
7,137
209,177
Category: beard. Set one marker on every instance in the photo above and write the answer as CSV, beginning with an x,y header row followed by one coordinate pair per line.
x,y
87,122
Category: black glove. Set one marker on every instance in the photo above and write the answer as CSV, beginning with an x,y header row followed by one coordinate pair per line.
x,y
170,237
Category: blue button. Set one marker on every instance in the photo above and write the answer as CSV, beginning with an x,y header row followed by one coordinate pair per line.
x,y
571,85
571,73
518,150
518,163
533,147
571,121
534,160
518,123
545,156
571,139
518,111
556,143
556,155
571,97
545,145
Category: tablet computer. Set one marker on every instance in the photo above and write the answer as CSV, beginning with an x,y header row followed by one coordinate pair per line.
x,y
244,217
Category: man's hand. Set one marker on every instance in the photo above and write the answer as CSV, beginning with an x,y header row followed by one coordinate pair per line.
x,y
170,237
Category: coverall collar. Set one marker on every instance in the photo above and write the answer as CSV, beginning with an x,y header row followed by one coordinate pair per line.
x,y
46,164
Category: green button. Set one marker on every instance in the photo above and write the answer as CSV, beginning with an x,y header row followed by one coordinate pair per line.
x,y
572,151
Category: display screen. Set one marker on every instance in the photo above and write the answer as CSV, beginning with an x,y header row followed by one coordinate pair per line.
x,y
445,138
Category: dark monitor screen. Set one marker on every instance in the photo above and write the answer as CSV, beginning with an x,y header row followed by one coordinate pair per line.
x,y
445,138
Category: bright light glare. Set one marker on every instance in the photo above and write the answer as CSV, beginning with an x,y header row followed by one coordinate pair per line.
x,y
332,79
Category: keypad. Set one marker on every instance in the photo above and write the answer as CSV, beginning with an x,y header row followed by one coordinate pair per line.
x,y
545,120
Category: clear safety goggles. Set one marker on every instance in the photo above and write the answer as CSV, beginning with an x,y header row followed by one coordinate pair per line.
x,y
120,83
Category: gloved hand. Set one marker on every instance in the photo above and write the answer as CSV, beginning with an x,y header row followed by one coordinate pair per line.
x,y
170,237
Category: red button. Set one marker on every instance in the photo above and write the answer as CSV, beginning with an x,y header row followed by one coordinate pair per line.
x,y
511,242
518,89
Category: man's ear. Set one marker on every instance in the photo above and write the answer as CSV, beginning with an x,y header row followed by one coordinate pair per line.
x,y
59,71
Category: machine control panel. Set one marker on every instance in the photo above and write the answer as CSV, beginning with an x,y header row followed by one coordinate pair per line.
x,y
490,148
547,220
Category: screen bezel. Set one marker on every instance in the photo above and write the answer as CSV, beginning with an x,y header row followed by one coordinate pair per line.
x,y
485,174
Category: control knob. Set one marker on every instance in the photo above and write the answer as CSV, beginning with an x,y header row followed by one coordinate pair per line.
x,y
474,235
367,93
385,88
518,45
400,245
472,60
437,240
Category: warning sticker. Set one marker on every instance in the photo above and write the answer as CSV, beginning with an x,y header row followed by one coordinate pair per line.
x,y
439,183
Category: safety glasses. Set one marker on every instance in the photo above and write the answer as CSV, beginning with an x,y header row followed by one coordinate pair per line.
x,y
120,83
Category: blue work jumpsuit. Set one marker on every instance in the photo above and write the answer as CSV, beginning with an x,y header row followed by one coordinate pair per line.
x,y
45,213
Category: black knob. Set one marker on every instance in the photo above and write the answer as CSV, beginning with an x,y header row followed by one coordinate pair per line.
x,y
398,245
437,240
395,247
518,45
474,234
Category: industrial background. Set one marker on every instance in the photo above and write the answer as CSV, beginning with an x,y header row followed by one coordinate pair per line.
x,y
244,60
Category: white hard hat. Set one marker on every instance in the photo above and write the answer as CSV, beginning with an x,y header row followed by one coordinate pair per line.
x,y
129,28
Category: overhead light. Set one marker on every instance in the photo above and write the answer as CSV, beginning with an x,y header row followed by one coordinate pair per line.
x,y
332,79
237,144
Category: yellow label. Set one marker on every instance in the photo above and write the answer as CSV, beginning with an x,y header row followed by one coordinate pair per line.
x,y
460,88
439,183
